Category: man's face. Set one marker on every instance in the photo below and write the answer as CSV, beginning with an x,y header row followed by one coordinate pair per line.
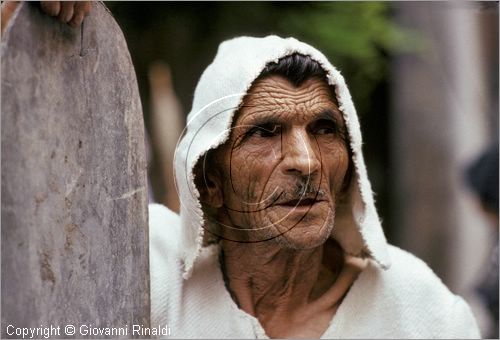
x,y
282,170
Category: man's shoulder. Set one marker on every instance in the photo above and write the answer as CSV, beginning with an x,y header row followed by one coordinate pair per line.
x,y
414,272
160,214
411,280
412,291
164,230
164,261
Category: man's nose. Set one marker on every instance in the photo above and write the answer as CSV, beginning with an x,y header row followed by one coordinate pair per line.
x,y
300,153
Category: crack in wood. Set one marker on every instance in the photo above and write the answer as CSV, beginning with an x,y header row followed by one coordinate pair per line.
x,y
128,194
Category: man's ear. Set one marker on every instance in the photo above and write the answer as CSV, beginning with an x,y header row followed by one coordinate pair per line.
x,y
209,185
212,188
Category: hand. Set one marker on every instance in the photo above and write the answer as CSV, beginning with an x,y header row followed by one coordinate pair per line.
x,y
7,9
70,12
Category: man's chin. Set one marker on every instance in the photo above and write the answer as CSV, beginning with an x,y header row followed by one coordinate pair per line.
x,y
305,235
305,232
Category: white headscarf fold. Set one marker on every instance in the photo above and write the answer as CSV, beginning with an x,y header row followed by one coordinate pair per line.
x,y
218,95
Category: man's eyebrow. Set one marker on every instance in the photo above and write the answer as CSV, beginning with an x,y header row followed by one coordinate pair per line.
x,y
329,114
262,120
265,119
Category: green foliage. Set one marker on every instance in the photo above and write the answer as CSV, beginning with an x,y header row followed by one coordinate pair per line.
x,y
356,37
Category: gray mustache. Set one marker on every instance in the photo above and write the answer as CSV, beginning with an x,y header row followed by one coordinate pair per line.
x,y
299,191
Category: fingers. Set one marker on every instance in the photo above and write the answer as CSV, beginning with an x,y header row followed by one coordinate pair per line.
x,y
52,8
76,20
7,9
70,12
67,10
81,10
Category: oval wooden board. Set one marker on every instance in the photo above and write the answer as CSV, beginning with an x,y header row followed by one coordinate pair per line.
x,y
74,199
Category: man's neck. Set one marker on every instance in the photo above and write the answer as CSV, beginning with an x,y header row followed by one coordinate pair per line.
x,y
272,283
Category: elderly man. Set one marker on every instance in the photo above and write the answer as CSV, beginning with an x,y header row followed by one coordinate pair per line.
x,y
278,235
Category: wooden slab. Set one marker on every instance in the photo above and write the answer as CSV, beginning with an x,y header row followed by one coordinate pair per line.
x,y
74,201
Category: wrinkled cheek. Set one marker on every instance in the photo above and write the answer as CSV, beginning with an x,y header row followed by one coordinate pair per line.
x,y
247,208
252,226
248,177
268,224
260,221
337,166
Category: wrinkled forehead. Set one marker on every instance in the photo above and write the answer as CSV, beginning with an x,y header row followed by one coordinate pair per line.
x,y
303,91
276,98
273,99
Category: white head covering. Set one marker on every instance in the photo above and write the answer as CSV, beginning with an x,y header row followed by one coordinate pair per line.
x,y
217,97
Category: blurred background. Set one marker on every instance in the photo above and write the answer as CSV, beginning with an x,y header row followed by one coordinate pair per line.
x,y
424,79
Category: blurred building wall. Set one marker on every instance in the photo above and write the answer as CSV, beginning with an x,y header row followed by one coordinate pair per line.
x,y
443,109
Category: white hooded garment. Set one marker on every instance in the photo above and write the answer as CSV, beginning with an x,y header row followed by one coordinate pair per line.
x,y
395,296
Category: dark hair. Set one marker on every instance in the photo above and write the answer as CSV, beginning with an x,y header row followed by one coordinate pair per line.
x,y
296,68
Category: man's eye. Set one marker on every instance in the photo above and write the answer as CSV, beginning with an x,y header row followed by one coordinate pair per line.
x,y
265,130
325,127
325,131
